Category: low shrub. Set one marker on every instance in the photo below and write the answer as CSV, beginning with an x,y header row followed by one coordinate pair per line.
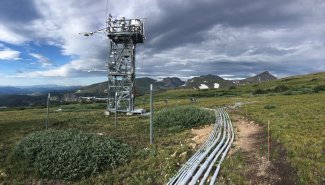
x,y
269,106
183,117
288,93
314,79
227,94
306,90
319,88
68,154
277,89
289,79
281,88
298,91
261,91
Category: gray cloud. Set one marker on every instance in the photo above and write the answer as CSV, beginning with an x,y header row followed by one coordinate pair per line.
x,y
186,22
18,11
238,37
185,38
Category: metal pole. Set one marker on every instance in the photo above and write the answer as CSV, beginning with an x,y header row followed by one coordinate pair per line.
x,y
268,140
151,115
115,109
246,110
48,110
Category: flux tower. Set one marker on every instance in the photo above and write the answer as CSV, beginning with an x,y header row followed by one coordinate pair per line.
x,y
124,35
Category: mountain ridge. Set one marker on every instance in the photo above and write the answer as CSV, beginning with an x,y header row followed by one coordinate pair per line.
x,y
313,81
261,77
201,82
142,85
207,82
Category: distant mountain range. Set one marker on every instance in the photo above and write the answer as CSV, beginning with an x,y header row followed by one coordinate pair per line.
x,y
202,82
142,86
24,96
214,82
208,82
34,90
33,95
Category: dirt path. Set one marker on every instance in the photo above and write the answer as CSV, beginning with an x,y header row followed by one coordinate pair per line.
x,y
250,139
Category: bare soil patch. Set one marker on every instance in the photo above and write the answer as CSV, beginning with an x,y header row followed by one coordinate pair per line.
x,y
248,135
200,135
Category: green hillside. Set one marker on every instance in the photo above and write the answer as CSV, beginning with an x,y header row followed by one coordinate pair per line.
x,y
294,106
142,86
97,89
291,85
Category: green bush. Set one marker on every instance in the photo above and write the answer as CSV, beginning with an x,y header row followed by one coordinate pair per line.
x,y
288,93
306,90
319,88
277,89
68,154
262,91
183,117
269,106
314,79
281,88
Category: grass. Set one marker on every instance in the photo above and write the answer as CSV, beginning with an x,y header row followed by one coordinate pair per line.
x,y
297,123
234,170
148,165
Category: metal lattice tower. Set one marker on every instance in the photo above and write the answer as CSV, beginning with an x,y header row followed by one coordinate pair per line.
x,y
123,34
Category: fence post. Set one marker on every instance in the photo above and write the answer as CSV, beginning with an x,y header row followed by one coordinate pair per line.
x,y
268,140
151,115
115,109
47,111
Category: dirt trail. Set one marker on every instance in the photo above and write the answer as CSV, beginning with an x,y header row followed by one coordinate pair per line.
x,y
250,139
248,135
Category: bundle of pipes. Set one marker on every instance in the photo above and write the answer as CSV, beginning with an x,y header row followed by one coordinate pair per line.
x,y
215,147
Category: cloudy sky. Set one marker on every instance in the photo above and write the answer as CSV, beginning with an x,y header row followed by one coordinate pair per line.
x,y
40,44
